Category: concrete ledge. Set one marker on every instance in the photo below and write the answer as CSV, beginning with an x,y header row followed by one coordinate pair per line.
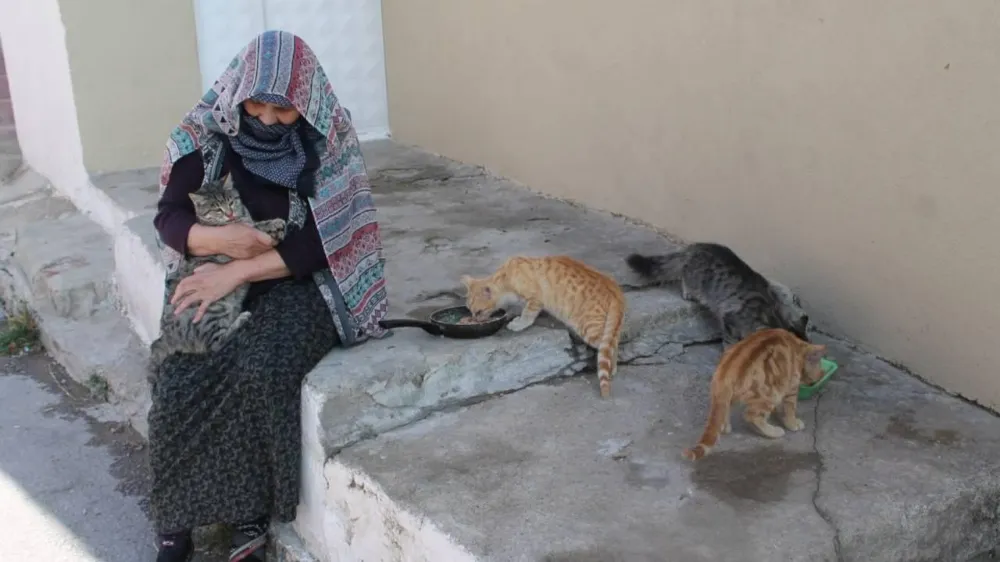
x,y
68,262
59,263
286,546
139,275
887,470
366,390
362,392
9,165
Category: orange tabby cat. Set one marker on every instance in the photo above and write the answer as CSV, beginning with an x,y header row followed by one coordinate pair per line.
x,y
761,371
588,302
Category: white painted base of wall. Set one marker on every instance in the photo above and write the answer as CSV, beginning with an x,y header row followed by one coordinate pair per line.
x,y
377,134
345,516
139,277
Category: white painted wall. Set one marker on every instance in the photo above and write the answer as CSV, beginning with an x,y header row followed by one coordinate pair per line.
x,y
41,89
339,521
345,34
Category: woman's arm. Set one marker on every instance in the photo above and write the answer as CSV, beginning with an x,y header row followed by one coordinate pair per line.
x,y
174,211
238,241
211,281
302,250
268,265
178,227
203,241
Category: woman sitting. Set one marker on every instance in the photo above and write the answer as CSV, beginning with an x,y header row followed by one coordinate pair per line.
x,y
224,426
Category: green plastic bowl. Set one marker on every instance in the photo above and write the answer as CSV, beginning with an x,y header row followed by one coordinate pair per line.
x,y
807,391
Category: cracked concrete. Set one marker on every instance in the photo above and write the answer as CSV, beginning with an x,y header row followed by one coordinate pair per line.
x,y
554,473
70,289
819,481
441,219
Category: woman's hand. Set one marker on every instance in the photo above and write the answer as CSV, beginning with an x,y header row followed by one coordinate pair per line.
x,y
238,241
242,242
209,283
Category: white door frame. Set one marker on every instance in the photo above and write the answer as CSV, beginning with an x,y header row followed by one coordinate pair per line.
x,y
345,34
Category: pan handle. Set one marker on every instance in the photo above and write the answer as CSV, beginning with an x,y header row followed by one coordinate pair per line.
x,y
426,326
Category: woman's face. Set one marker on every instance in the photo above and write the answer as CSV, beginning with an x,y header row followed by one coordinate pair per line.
x,y
269,114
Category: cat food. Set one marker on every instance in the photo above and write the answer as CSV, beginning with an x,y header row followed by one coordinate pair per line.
x,y
458,316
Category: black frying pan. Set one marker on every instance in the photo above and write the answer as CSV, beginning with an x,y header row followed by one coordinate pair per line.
x,y
442,323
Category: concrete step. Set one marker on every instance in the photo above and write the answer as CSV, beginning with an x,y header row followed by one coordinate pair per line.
x,y
133,192
68,262
6,112
10,153
8,142
59,264
286,545
440,220
555,473
9,165
128,200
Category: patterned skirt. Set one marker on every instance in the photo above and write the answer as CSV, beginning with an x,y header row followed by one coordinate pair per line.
x,y
224,428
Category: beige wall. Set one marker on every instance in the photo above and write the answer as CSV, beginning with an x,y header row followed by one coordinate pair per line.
x,y
848,149
134,67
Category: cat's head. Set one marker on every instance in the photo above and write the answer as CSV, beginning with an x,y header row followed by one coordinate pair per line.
x,y
812,369
791,311
216,205
482,297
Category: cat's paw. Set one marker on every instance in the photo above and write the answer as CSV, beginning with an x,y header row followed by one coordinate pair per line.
x,y
770,431
795,425
727,428
518,324
275,228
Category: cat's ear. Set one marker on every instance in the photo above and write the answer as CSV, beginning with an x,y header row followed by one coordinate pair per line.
x,y
467,281
816,352
196,198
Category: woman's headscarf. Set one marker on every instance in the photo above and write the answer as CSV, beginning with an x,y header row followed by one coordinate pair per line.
x,y
278,63
274,152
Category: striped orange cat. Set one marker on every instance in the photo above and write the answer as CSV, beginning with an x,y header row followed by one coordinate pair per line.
x,y
761,371
590,303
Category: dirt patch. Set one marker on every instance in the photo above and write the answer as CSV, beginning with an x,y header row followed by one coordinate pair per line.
x,y
903,426
761,475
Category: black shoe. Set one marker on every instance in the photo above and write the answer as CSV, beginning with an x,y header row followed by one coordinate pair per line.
x,y
176,547
249,541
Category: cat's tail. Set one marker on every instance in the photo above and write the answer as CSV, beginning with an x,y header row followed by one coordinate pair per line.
x,y
662,268
607,349
718,414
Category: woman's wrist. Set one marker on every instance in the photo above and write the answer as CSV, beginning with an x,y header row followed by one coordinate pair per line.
x,y
268,265
203,240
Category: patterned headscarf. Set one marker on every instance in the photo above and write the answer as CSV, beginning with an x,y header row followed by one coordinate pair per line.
x,y
278,63
273,152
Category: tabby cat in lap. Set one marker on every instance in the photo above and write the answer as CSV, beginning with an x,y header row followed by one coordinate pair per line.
x,y
741,299
590,303
761,371
215,204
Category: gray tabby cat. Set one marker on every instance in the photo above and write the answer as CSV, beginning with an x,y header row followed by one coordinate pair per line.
x,y
740,298
215,204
